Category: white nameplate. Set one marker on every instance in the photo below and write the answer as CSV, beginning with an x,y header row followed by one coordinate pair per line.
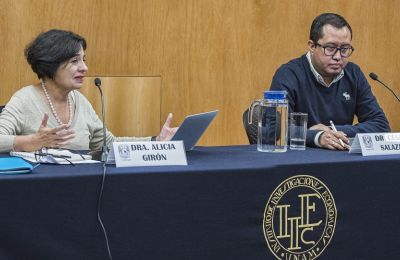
x,y
126,154
376,144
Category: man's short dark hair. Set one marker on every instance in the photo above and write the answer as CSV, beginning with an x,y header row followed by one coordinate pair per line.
x,y
50,49
335,20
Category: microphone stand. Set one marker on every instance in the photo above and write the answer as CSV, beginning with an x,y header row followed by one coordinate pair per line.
x,y
104,154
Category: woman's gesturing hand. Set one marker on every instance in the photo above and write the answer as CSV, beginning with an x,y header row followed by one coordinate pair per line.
x,y
167,132
57,137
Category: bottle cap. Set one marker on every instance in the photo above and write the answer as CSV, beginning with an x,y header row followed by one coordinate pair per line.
x,y
275,94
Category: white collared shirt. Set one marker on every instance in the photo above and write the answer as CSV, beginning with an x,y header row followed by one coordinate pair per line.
x,y
318,76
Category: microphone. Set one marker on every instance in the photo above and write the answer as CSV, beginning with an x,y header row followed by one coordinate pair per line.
x,y
375,77
104,155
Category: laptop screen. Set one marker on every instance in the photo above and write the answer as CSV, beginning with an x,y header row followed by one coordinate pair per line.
x,y
193,128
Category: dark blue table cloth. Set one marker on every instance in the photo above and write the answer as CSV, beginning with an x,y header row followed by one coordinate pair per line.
x,y
211,209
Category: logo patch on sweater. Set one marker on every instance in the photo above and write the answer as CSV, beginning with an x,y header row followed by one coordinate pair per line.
x,y
346,96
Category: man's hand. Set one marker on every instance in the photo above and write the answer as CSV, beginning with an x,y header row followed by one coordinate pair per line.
x,y
331,140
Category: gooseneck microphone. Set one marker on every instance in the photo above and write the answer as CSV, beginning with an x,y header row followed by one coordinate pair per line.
x,y
104,155
375,77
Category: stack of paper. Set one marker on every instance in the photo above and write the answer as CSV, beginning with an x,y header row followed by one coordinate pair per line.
x,y
55,156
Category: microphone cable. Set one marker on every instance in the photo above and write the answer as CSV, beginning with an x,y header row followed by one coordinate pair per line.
x,y
99,200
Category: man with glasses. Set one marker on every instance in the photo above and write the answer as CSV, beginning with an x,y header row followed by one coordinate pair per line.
x,y
324,84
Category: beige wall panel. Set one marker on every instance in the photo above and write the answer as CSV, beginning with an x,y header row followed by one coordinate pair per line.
x,y
210,54
132,104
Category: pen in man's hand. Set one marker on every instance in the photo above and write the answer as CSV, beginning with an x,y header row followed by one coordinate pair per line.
x,y
334,129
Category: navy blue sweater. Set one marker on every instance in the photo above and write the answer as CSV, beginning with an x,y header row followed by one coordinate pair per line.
x,y
349,96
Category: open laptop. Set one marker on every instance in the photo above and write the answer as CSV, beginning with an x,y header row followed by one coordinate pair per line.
x,y
193,128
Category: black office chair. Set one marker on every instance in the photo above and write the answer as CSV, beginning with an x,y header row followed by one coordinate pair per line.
x,y
251,124
1,108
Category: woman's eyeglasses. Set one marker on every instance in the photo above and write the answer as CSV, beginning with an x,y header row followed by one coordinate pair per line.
x,y
43,155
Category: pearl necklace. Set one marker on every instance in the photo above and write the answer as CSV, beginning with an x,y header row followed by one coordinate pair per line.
x,y
53,110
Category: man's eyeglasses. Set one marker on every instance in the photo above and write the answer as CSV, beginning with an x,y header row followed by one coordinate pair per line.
x,y
345,52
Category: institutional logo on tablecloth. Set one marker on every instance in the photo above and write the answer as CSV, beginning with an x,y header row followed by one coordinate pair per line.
x,y
299,218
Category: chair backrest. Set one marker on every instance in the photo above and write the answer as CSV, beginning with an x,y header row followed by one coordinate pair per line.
x,y
251,126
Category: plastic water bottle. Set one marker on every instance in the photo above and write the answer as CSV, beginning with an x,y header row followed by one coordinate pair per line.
x,y
273,122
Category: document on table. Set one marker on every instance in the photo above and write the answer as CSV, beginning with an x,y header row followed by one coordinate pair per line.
x,y
55,156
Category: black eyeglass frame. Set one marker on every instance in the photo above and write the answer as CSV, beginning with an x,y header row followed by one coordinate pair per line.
x,y
43,153
337,49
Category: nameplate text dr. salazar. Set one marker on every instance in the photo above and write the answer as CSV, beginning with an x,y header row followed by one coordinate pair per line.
x,y
376,144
